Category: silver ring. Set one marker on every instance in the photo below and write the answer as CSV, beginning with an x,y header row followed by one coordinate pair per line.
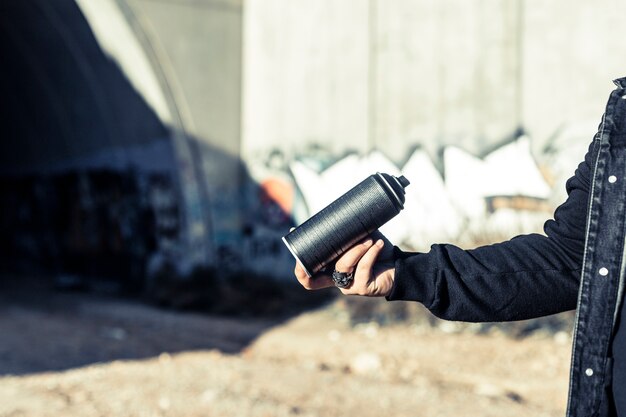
x,y
342,279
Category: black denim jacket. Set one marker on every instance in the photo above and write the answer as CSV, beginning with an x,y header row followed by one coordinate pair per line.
x,y
578,263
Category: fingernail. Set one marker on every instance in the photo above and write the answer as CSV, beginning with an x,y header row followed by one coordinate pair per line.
x,y
368,242
380,243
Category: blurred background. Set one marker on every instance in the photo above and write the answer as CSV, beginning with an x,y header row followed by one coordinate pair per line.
x,y
153,153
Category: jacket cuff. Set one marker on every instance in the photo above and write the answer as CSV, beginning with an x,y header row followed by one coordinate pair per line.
x,y
411,281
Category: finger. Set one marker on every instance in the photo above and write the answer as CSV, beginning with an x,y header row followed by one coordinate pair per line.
x,y
315,282
363,271
387,253
363,274
350,258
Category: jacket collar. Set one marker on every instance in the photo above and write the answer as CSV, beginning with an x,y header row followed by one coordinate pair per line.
x,y
620,82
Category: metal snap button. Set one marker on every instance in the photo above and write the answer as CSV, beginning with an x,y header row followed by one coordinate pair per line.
x,y
589,372
612,179
603,271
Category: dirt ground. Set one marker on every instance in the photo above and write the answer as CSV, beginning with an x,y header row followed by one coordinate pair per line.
x,y
81,355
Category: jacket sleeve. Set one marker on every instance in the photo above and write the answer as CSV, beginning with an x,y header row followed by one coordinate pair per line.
x,y
528,276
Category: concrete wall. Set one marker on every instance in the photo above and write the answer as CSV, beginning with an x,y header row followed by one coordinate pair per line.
x,y
117,97
64,100
373,74
570,52
439,90
197,47
193,49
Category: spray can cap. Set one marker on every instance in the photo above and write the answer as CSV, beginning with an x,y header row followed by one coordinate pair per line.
x,y
396,186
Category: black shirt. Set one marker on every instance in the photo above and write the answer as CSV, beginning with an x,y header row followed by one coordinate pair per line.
x,y
619,365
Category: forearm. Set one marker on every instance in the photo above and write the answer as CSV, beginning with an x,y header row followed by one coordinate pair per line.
x,y
527,276
523,278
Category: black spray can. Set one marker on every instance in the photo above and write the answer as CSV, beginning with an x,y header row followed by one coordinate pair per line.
x,y
344,222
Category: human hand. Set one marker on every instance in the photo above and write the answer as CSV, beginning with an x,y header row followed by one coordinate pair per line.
x,y
371,262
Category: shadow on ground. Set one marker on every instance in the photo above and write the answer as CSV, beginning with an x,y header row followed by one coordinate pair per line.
x,y
46,330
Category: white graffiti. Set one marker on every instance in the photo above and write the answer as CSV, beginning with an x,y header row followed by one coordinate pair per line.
x,y
474,201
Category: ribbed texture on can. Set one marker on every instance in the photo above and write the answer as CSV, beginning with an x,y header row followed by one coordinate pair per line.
x,y
344,222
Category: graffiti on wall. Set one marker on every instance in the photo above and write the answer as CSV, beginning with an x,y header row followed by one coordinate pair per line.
x,y
461,198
